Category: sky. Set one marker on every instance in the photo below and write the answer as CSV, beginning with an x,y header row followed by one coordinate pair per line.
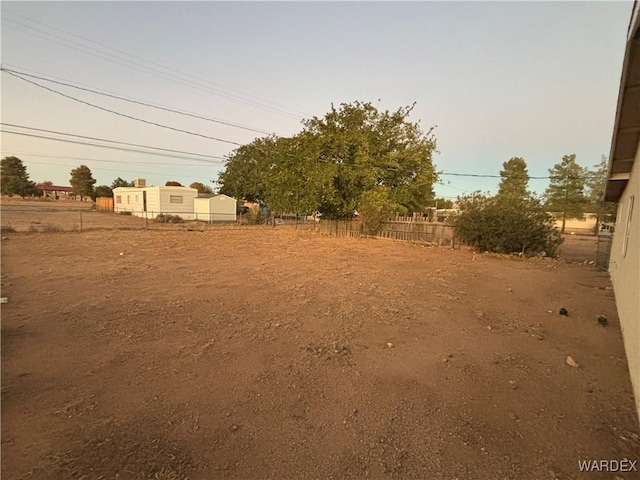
x,y
497,80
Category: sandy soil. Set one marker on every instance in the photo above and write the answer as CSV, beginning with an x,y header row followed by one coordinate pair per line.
x,y
282,354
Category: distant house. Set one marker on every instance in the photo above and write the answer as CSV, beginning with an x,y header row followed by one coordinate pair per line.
x,y
185,202
623,186
149,202
586,224
55,191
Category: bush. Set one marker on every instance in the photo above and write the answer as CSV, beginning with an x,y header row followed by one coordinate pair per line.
x,y
7,229
375,207
508,226
255,216
168,218
125,213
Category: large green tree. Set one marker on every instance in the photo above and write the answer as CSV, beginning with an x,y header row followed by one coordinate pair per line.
x,y
248,169
565,194
82,181
514,179
15,179
328,166
596,184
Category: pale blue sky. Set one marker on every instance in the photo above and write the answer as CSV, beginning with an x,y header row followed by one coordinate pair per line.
x,y
537,80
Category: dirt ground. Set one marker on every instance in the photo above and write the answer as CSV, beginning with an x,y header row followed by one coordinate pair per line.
x,y
282,354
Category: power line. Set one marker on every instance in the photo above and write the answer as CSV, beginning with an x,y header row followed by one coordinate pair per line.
x,y
138,172
146,69
38,154
111,141
138,102
111,147
122,114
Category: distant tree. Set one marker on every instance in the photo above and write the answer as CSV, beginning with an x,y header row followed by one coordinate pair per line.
x,y
514,179
48,183
82,181
15,179
565,193
172,183
443,203
201,187
596,184
119,182
102,191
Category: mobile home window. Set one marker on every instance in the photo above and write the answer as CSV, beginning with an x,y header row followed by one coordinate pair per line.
x,y
175,198
118,198
627,228
128,198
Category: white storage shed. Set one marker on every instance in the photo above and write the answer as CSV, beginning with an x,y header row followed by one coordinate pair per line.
x,y
219,208
150,202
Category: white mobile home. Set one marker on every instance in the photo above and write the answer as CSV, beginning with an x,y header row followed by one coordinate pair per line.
x,y
219,208
149,202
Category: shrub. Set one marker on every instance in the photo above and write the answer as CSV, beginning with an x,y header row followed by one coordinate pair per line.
x,y
7,229
125,213
255,216
168,218
375,207
508,226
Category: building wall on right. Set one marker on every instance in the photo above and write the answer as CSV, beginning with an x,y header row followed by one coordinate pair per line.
x,y
624,269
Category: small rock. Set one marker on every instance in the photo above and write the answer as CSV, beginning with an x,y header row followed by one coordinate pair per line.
x,y
602,320
513,384
389,344
549,311
234,427
509,290
5,238
4,300
513,416
591,262
571,362
121,253
540,336
445,360
489,327
564,312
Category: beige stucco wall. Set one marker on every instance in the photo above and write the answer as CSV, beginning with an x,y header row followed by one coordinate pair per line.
x,y
586,224
625,275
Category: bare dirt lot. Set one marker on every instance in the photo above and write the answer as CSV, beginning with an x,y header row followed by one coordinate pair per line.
x,y
282,354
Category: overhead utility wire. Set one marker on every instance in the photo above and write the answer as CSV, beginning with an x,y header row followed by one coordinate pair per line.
x,y
110,147
137,172
113,141
122,114
42,155
139,58
138,102
149,70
